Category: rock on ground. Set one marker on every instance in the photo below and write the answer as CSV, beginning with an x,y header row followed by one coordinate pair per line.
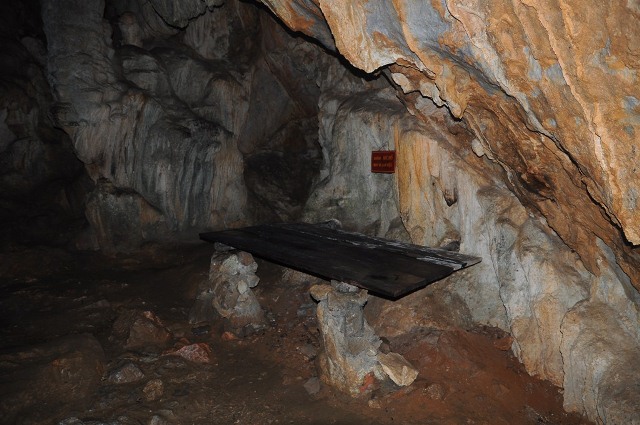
x,y
228,294
66,370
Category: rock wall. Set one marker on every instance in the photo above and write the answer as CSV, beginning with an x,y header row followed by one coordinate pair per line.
x,y
574,328
43,183
531,165
548,88
514,125
184,114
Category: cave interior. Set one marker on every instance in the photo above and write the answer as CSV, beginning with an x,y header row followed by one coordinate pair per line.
x,y
129,127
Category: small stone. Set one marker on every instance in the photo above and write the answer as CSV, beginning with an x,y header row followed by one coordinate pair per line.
x,y
308,351
125,374
229,336
141,329
197,353
344,288
245,258
242,287
201,330
400,371
500,389
312,386
374,403
153,390
320,292
287,380
157,420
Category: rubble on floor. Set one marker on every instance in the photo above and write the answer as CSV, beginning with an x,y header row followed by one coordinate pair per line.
x,y
145,363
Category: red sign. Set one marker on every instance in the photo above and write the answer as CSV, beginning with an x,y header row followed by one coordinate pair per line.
x,y
383,161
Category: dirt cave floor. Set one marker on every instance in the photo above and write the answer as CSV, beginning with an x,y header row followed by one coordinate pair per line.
x,y
64,360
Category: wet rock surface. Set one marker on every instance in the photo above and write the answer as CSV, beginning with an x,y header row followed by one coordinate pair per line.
x,y
63,360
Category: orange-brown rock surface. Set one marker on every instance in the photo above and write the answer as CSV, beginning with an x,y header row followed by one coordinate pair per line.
x,y
549,90
537,99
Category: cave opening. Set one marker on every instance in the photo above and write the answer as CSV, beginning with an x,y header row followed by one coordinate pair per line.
x,y
128,127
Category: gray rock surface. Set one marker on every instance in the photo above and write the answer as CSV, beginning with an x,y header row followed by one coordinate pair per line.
x,y
528,282
353,125
349,344
125,374
227,294
180,146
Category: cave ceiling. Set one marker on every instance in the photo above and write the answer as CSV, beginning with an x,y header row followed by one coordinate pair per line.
x,y
548,88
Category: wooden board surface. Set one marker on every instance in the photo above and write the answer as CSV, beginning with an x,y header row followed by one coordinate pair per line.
x,y
384,267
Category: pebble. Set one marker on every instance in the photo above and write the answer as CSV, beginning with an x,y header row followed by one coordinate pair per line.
x,y
309,351
201,330
197,353
319,292
312,386
229,336
400,371
153,390
125,374
374,403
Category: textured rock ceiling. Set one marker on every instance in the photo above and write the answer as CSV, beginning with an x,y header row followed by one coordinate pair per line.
x,y
549,89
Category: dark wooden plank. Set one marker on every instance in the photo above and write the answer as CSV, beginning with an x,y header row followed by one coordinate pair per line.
x,y
382,266
434,255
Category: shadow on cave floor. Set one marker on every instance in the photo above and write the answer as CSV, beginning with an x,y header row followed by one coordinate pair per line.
x,y
64,359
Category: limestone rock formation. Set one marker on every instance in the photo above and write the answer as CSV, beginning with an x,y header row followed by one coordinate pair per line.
x,y
515,126
350,346
160,99
351,127
547,88
228,294
536,171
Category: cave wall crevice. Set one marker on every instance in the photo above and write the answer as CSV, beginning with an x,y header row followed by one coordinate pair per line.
x,y
43,183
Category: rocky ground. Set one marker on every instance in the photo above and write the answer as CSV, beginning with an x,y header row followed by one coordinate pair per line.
x,y
92,340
